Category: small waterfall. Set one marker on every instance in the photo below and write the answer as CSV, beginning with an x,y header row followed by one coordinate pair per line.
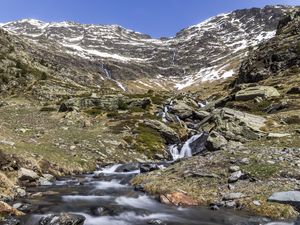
x,y
194,145
173,57
108,75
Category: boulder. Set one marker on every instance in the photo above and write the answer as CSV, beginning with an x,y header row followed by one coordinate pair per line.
x,y
6,209
200,115
257,91
235,176
181,109
139,102
168,133
215,141
62,219
178,198
128,167
236,125
233,196
289,197
145,168
27,175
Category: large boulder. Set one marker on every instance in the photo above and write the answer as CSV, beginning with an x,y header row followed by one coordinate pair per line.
x,y
257,91
181,109
236,125
168,133
289,197
215,141
27,175
63,219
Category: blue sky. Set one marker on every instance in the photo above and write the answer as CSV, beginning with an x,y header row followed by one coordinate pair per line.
x,y
155,17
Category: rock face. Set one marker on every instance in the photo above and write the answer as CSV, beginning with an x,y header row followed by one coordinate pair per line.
x,y
278,55
290,197
116,58
257,91
63,219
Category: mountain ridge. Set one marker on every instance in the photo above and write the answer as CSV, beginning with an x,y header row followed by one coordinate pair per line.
x,y
129,61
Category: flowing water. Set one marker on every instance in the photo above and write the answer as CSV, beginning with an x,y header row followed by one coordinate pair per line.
x,y
107,198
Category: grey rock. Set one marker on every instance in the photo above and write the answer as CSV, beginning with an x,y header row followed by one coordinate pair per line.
x,y
233,196
235,176
215,141
181,109
257,91
27,175
289,197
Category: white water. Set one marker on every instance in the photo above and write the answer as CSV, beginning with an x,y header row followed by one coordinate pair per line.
x,y
79,198
113,184
111,170
142,202
185,151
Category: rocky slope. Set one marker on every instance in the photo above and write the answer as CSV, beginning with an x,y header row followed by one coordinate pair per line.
x,y
111,56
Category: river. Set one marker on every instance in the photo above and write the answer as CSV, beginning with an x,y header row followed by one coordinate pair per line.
x,y
106,198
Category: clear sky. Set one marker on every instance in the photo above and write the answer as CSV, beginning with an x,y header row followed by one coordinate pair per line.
x,y
155,17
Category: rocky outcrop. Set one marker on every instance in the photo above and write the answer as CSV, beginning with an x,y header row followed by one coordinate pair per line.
x,y
168,133
257,91
278,55
105,102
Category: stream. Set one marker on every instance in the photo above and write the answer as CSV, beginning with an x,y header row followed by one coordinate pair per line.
x,y
105,197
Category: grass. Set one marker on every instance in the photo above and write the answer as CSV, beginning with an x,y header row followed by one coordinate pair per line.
x,y
148,140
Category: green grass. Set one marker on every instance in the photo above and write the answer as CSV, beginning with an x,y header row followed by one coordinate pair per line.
x,y
261,170
148,140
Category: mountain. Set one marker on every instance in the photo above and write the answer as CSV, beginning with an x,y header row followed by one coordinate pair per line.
x,y
112,58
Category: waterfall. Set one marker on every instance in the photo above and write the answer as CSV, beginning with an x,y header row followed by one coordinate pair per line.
x,y
108,75
193,145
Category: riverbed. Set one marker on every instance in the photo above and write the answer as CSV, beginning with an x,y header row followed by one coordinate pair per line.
x,y
106,197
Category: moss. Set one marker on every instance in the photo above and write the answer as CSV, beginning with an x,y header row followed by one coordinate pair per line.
x,y
148,140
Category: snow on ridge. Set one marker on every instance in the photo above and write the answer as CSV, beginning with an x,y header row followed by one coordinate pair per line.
x,y
94,52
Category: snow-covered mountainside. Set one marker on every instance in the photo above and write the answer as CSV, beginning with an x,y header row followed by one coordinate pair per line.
x,y
207,51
